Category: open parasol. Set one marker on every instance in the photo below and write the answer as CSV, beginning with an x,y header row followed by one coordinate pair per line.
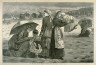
x,y
22,26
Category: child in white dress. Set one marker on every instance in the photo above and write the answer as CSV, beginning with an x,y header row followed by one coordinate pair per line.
x,y
35,44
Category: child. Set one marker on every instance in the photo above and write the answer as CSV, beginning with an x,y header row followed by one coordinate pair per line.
x,y
35,46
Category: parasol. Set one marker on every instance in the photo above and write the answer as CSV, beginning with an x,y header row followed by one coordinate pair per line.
x,y
22,26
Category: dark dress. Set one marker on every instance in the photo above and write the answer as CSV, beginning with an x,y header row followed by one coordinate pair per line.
x,y
46,32
20,49
56,53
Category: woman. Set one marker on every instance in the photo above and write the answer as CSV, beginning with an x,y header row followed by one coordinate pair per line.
x,y
57,42
46,31
86,27
20,46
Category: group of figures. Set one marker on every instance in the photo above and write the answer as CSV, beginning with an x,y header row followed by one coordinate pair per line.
x,y
50,42
27,15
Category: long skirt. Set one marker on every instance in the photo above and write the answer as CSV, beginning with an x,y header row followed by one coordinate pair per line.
x,y
54,52
45,47
22,51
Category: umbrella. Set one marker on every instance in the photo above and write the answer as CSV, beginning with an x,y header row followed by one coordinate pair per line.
x,y
85,22
16,25
22,26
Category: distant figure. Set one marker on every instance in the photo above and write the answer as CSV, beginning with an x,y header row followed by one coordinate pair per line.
x,y
86,25
85,33
27,16
34,15
45,34
22,16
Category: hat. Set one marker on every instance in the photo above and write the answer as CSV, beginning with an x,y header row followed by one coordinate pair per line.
x,y
47,11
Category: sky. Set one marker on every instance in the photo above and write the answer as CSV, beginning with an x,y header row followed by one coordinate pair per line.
x,y
50,4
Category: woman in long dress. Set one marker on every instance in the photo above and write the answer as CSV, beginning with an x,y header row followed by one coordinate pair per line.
x,y
46,31
19,44
57,40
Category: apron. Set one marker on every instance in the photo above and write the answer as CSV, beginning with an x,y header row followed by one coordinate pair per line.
x,y
59,42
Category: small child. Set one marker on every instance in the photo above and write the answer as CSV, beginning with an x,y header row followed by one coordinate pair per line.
x,y
35,43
